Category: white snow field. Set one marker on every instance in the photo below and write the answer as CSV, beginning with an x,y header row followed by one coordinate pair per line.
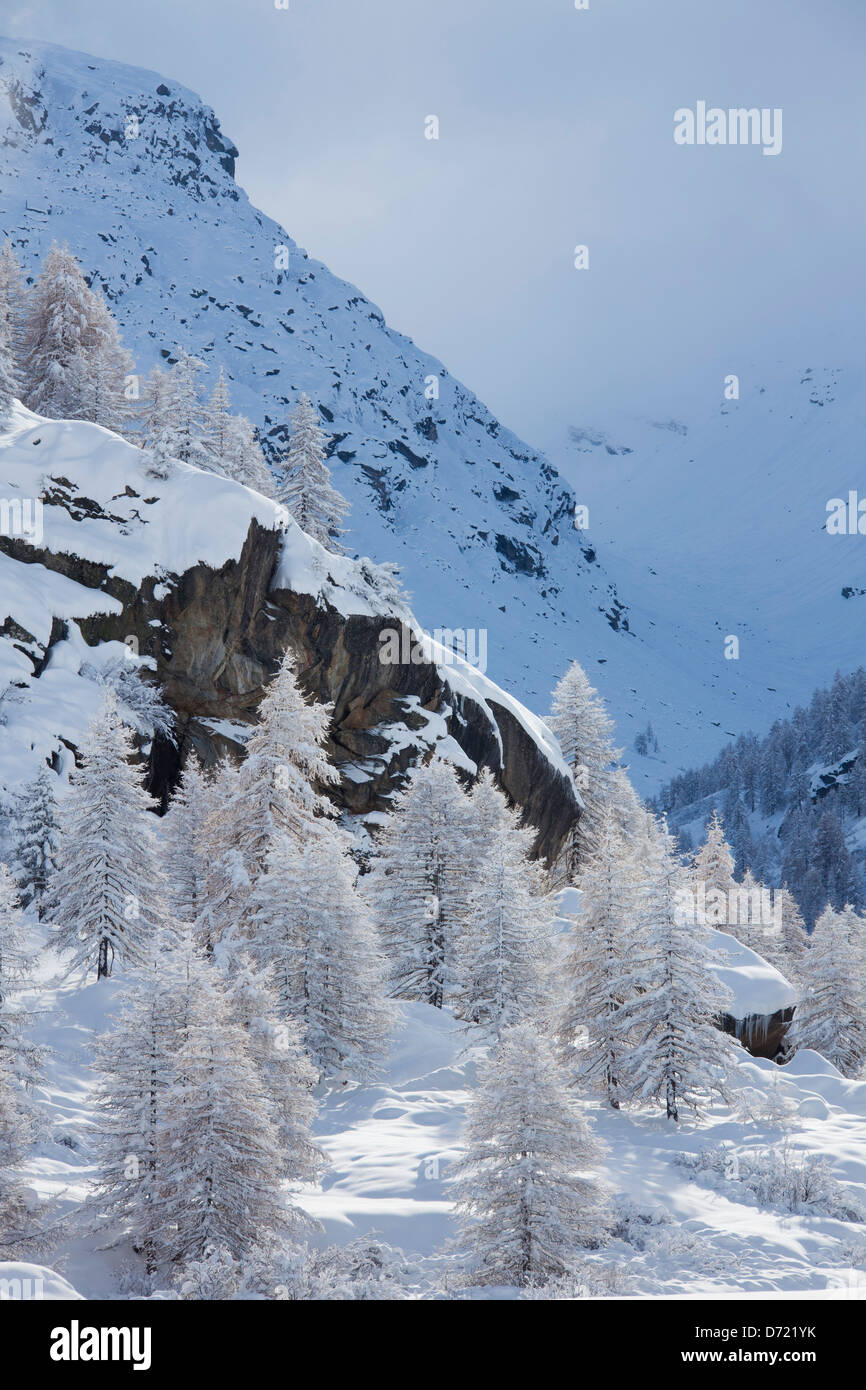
x,y
390,1144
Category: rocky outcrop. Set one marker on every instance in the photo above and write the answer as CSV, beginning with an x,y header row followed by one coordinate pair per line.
x,y
761,1034
217,636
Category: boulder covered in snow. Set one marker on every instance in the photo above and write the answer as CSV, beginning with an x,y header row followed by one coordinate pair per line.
x,y
763,1000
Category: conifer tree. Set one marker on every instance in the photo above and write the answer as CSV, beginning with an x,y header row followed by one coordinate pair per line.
x,y
100,373
105,896
10,387
17,1133
232,443
38,836
679,1056
13,296
306,487
752,925
713,869
73,362
218,421
281,779
276,1048
224,1161
795,938
418,888
136,1073
185,854
276,791
584,730
322,949
601,973
831,1014
504,945
20,1056
175,421
190,1149
157,436
12,299
244,460
227,883
527,1200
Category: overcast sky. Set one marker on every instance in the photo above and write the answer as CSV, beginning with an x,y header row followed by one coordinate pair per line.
x,y
556,129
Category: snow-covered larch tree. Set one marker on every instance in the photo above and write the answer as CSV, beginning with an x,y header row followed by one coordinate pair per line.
x,y
10,385
101,371
281,781
584,730
504,946
37,836
795,938
751,921
244,460
527,1198
601,971
306,488
217,421
227,883
174,419
232,443
225,1163
104,898
13,295
831,1015
57,327
712,874
420,882
74,365
276,1047
323,951
135,1063
18,1225
679,1056
276,791
12,299
184,856
20,1055
154,423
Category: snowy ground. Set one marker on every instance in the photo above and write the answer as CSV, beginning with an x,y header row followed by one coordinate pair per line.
x,y
390,1145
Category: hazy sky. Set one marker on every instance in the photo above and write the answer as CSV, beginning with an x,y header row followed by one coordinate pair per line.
x,y
556,128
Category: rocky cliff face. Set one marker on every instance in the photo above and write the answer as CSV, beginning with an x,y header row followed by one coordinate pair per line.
x,y
118,569
217,637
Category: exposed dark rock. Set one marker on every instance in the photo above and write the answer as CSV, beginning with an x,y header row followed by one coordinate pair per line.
x,y
761,1034
217,637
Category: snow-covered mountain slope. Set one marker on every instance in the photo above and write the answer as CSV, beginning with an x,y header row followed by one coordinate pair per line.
x,y
133,171
719,520
206,583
